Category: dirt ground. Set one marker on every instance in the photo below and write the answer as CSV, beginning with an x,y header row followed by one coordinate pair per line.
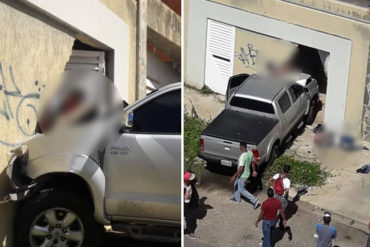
x,y
225,223
345,193
207,106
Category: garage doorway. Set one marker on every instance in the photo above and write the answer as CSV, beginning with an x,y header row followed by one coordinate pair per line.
x,y
88,57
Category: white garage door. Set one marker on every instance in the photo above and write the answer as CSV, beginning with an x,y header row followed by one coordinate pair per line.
x,y
82,59
219,55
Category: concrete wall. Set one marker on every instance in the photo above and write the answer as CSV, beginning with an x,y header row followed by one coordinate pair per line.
x,y
357,32
164,21
164,31
32,53
126,10
253,49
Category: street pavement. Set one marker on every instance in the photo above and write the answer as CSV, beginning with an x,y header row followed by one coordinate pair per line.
x,y
225,223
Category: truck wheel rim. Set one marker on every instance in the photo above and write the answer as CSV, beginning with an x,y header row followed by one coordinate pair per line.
x,y
56,227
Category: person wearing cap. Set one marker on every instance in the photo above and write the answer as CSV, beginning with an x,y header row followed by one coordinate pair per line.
x,y
325,232
242,174
189,177
269,212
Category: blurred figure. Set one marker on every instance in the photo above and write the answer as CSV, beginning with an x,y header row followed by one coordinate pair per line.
x,y
325,232
269,212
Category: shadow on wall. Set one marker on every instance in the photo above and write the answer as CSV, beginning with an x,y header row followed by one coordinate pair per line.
x,y
7,211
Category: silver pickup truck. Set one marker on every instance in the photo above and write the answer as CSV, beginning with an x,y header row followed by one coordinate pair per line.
x,y
133,184
260,111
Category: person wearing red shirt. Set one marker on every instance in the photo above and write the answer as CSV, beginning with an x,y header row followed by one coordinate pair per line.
x,y
269,215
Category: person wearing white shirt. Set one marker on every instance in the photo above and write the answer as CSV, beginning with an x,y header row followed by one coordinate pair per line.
x,y
281,185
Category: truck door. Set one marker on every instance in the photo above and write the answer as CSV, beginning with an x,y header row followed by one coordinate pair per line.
x,y
142,168
299,101
287,113
234,82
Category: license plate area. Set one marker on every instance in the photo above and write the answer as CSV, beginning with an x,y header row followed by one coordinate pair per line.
x,y
226,163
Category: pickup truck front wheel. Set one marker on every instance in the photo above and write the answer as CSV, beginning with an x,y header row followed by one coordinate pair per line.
x,y
310,117
56,218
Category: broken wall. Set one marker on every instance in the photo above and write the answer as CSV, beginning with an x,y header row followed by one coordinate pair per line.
x,y
32,53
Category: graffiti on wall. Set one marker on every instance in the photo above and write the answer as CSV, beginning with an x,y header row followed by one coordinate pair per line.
x,y
248,56
17,107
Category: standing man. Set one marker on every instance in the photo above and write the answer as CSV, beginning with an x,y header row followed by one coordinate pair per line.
x,y
281,184
242,174
269,212
326,233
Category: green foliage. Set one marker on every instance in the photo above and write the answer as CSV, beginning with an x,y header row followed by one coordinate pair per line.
x,y
206,90
301,172
193,126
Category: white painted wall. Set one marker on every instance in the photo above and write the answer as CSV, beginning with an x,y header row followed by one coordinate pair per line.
x,y
339,48
98,23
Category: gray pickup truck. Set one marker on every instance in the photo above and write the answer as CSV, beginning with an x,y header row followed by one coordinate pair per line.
x,y
260,111
65,196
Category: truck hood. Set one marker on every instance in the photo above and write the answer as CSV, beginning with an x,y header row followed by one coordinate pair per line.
x,y
240,126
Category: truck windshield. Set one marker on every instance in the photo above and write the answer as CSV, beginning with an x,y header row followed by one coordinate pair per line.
x,y
252,104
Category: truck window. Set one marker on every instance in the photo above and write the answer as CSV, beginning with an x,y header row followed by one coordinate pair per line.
x,y
284,102
160,115
295,91
292,94
252,104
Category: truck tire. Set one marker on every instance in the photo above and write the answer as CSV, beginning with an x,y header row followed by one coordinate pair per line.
x,y
58,217
275,151
310,117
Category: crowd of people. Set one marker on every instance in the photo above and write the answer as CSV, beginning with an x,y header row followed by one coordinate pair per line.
x,y
273,209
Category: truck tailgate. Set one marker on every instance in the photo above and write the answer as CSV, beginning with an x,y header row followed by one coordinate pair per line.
x,y
240,127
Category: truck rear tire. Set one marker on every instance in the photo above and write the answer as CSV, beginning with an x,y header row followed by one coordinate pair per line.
x,y
57,217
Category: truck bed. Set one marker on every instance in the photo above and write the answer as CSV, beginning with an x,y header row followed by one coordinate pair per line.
x,y
240,126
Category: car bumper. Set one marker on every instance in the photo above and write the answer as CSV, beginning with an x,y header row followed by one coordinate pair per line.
x,y
17,191
216,159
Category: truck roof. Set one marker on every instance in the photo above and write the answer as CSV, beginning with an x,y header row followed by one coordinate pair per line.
x,y
265,88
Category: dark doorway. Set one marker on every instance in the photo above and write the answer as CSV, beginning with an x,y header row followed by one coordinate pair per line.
x,y
312,61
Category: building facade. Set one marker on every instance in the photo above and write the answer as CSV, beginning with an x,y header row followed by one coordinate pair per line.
x,y
328,39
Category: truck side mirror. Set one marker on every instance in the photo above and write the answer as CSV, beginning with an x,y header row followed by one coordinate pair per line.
x,y
128,120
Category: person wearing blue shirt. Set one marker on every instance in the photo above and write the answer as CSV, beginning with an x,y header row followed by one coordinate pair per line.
x,y
325,232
